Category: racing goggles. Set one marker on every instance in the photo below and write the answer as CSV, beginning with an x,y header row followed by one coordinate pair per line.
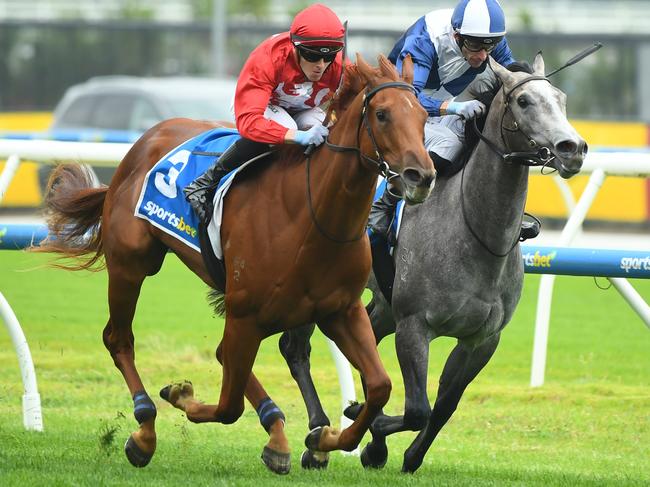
x,y
476,44
313,54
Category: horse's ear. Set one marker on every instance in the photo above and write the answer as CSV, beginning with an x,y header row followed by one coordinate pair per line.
x,y
366,71
387,68
407,69
538,65
502,73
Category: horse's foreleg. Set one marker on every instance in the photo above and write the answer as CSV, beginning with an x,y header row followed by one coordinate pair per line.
x,y
276,453
296,349
238,350
353,335
123,292
462,366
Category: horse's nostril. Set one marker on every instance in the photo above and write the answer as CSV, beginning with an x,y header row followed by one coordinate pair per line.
x,y
412,177
566,147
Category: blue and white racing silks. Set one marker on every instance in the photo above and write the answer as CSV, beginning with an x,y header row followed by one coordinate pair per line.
x,y
162,201
441,71
479,18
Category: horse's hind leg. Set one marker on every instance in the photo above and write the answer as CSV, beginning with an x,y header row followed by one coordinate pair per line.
x,y
462,366
295,348
124,285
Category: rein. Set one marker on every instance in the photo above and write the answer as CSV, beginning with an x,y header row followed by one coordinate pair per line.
x,y
542,157
379,163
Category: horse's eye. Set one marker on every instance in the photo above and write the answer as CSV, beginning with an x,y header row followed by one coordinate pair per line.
x,y
381,115
522,101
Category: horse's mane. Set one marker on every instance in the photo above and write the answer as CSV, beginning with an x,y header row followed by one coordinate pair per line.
x,y
356,76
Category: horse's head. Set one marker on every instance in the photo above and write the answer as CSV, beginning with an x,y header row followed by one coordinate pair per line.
x,y
534,118
389,124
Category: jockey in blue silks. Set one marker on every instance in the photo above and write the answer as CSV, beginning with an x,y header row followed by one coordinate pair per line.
x,y
449,49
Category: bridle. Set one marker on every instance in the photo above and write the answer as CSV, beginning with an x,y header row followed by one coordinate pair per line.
x,y
379,164
541,157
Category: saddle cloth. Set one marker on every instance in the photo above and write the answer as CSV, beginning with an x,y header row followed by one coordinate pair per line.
x,y
162,201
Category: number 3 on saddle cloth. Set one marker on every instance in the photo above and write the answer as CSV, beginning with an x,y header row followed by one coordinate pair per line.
x,y
383,265
162,201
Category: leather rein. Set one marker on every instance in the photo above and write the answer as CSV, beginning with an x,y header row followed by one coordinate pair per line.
x,y
541,157
379,164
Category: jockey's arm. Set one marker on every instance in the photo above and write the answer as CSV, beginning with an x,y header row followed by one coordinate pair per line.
x,y
254,90
424,59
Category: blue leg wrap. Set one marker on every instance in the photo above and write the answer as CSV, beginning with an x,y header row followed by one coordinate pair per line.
x,y
269,413
143,407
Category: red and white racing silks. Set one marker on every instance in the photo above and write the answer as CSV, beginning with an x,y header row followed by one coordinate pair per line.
x,y
272,76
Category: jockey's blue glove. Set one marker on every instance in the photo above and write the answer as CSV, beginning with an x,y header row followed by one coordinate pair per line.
x,y
315,135
466,109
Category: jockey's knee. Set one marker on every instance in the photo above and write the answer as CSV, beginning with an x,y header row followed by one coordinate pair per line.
x,y
445,167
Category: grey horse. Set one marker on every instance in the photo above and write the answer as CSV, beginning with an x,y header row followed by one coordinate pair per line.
x,y
458,265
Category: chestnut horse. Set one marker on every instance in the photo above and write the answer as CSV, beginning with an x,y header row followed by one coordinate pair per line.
x,y
310,265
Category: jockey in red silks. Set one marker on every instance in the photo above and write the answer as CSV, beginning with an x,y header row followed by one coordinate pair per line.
x,y
280,91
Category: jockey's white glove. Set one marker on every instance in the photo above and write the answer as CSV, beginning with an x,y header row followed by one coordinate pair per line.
x,y
466,109
315,135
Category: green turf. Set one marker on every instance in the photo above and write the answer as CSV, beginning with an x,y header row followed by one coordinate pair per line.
x,y
589,424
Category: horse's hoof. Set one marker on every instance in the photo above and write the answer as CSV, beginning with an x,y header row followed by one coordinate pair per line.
x,y
276,462
313,438
311,459
172,392
136,456
353,410
411,462
374,456
164,392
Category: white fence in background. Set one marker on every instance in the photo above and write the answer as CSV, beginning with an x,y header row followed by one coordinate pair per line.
x,y
598,164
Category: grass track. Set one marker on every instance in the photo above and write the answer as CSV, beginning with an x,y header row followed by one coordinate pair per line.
x,y
589,425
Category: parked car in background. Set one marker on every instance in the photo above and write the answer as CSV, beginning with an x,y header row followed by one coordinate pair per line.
x,y
134,104
121,108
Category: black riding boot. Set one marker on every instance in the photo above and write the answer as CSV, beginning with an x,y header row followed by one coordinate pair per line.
x,y
382,213
200,192
529,228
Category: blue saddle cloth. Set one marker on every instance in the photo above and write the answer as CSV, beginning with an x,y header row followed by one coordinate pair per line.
x,y
162,201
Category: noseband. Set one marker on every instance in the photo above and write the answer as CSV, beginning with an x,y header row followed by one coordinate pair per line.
x,y
541,157
379,163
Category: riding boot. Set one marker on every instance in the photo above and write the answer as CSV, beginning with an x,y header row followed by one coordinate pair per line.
x,y
529,228
200,192
382,214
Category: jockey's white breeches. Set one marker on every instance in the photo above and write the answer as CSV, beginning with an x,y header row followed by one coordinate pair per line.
x,y
301,120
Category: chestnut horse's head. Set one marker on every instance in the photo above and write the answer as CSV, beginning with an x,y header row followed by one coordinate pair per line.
x,y
390,130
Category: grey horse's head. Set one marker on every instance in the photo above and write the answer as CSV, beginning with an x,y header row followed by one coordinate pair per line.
x,y
538,119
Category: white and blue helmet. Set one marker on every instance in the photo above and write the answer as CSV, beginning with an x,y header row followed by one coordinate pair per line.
x,y
481,19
